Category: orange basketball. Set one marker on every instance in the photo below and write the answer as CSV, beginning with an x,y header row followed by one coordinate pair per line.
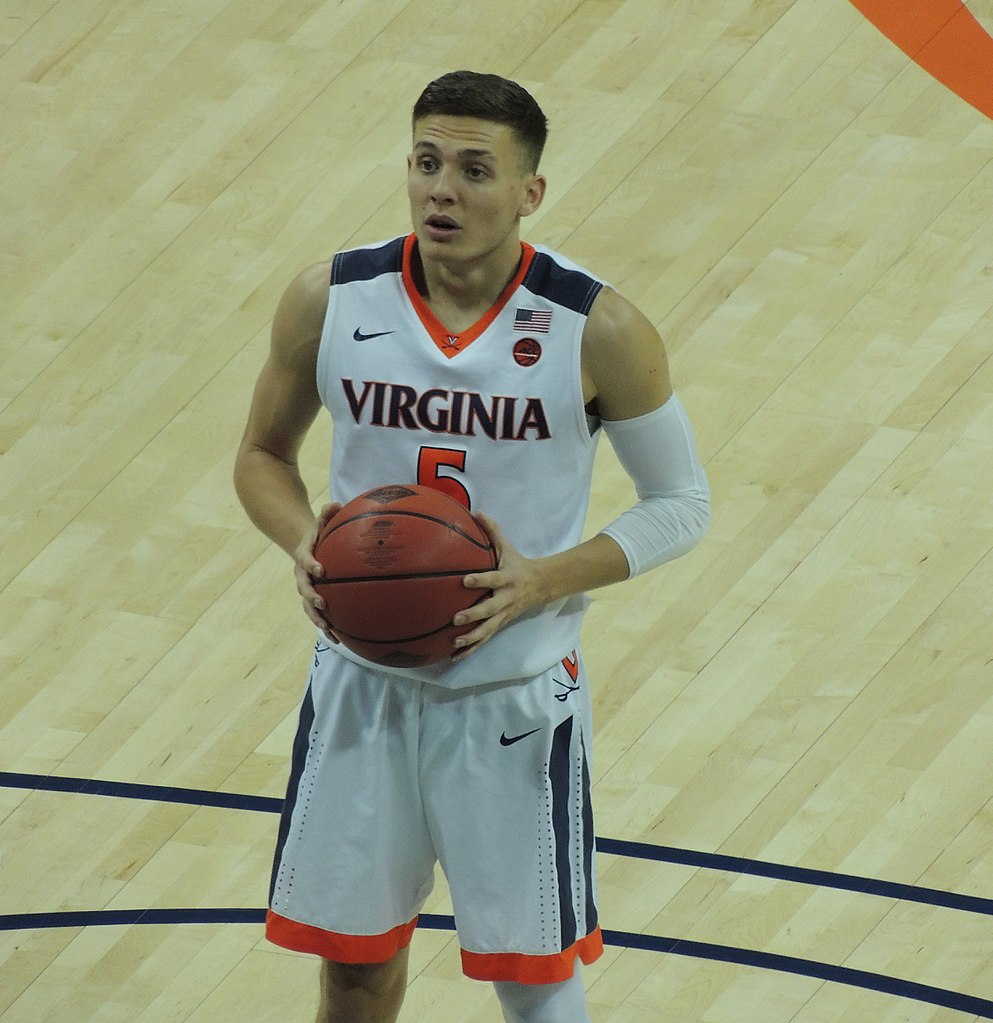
x,y
394,559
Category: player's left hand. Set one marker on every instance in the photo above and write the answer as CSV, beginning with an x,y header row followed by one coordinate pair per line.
x,y
515,586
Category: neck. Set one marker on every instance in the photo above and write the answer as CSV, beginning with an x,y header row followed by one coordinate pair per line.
x,y
466,285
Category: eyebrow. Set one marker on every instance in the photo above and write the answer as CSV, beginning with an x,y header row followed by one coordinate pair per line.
x,y
468,152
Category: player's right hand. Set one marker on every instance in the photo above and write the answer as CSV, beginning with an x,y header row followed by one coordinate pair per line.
x,y
308,568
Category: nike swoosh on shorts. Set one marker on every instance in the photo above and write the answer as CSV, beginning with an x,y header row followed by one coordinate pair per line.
x,y
505,741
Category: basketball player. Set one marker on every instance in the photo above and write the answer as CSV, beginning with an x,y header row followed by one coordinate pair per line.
x,y
462,358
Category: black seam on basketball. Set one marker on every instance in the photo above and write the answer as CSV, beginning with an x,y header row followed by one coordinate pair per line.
x,y
403,639
383,513
337,580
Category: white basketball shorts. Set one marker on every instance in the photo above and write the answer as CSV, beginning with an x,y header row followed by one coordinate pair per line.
x,y
390,776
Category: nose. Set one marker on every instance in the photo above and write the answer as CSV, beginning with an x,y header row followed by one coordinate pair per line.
x,y
442,190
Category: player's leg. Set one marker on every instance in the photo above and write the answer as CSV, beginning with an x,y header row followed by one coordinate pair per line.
x,y
363,993
506,787
354,860
564,1002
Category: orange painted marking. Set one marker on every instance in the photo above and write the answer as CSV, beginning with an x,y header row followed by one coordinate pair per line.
x,y
944,39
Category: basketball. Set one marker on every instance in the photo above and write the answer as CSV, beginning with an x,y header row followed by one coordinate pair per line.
x,y
394,559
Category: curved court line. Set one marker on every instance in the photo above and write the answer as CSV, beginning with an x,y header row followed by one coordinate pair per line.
x,y
610,846
981,1007
621,939
944,38
799,875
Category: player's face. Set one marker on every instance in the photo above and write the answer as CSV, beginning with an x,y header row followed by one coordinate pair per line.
x,y
468,187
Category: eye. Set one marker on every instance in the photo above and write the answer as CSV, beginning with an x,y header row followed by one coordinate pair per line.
x,y
426,164
476,172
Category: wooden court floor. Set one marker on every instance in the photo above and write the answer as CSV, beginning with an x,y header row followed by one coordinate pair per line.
x,y
795,722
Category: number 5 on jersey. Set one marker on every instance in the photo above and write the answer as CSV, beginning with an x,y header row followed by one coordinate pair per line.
x,y
430,464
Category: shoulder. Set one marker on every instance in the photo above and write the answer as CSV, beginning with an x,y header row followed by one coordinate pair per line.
x,y
625,366
616,323
558,279
299,319
307,293
368,262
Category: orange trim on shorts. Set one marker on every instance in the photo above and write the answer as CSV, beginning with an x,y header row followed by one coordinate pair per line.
x,y
524,969
342,948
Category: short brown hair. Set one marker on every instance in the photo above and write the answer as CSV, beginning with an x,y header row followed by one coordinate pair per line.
x,y
490,98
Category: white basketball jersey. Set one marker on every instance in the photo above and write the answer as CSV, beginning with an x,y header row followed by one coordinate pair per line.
x,y
493,416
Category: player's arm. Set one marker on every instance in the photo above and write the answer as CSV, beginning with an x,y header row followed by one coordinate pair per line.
x,y
284,405
651,436
626,382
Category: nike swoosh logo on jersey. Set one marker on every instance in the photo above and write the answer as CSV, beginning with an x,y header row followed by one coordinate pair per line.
x,y
509,741
359,336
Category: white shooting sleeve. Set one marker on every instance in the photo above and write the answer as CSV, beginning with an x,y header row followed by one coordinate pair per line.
x,y
658,452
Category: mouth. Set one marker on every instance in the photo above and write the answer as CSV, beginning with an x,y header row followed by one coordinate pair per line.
x,y
440,227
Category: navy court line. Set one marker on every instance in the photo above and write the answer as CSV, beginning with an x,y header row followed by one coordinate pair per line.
x,y
132,790
970,1004
621,939
610,846
128,917
799,875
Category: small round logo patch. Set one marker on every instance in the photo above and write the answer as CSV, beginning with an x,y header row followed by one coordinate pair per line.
x,y
527,351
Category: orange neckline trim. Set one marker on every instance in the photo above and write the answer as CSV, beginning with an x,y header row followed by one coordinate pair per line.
x,y
450,344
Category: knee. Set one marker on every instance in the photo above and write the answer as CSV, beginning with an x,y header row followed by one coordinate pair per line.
x,y
544,1003
374,979
362,993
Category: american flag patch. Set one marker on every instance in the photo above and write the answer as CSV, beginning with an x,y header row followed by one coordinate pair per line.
x,y
535,320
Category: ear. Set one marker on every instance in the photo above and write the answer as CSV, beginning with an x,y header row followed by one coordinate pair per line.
x,y
534,193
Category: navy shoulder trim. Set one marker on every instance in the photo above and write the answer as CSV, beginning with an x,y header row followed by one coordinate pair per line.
x,y
570,288
367,264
